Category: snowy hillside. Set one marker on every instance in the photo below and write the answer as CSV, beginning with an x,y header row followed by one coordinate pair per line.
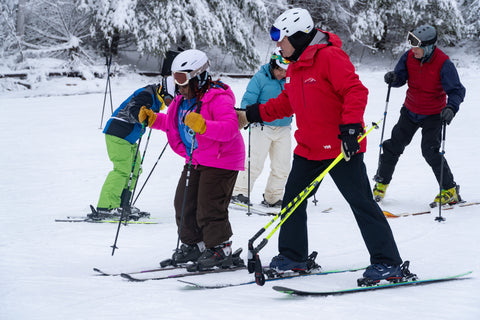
x,y
54,162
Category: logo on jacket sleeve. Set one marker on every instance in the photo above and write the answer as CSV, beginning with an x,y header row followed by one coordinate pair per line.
x,y
310,81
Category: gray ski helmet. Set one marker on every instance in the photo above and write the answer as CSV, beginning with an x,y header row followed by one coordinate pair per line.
x,y
426,33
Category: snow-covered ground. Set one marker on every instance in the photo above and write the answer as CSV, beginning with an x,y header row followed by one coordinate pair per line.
x,y
54,163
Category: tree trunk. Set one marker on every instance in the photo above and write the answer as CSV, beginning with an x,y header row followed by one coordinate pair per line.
x,y
21,18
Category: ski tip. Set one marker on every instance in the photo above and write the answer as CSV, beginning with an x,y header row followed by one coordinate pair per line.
x,y
130,278
283,289
389,214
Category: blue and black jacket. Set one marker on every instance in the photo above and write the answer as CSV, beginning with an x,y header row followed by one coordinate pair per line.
x,y
124,121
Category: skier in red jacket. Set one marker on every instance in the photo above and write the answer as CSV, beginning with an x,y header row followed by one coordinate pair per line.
x,y
329,101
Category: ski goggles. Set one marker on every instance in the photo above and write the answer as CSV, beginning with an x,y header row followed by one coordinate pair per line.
x,y
275,34
280,58
413,40
181,78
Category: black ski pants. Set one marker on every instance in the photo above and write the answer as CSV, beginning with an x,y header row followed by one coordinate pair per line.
x,y
402,135
352,181
205,215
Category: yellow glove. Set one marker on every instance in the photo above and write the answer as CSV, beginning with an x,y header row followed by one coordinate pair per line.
x,y
196,122
147,114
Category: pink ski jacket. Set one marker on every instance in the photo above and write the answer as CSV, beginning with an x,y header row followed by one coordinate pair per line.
x,y
221,146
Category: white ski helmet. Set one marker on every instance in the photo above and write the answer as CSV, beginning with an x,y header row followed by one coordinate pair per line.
x,y
189,64
291,22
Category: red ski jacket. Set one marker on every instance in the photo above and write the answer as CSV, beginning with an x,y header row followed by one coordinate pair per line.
x,y
323,91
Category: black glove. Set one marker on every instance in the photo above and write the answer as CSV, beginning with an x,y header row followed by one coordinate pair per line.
x,y
447,114
349,134
390,77
253,113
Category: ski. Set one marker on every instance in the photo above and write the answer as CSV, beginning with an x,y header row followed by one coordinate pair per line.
x,y
129,277
244,207
86,219
389,214
95,217
108,274
278,277
291,291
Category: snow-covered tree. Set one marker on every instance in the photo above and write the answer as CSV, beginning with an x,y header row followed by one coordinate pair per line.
x,y
160,25
10,38
112,19
472,17
57,32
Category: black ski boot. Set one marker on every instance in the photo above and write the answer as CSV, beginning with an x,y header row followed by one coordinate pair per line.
x,y
218,257
186,253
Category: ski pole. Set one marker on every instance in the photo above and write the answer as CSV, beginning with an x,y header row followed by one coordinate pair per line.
x,y
187,181
383,125
444,131
108,87
248,174
254,264
140,169
151,171
126,194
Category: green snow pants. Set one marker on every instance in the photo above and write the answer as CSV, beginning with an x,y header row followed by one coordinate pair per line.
x,y
121,153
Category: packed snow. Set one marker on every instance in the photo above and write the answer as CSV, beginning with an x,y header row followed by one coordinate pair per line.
x,y
54,162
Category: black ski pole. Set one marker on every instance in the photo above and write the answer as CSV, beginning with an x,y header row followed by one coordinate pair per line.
x,y
140,169
108,87
383,124
126,194
248,173
444,131
187,181
151,171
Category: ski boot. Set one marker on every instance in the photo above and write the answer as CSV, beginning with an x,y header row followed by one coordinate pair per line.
x,y
450,196
391,273
281,266
265,203
219,256
104,213
379,191
240,198
186,253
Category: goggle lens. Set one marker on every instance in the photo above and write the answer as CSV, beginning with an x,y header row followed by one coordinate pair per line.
x,y
280,58
413,40
274,33
181,78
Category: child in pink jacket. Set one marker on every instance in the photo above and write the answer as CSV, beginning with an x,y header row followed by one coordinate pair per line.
x,y
202,126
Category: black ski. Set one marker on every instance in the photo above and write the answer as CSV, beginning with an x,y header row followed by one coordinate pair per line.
x,y
372,288
180,275
103,273
284,276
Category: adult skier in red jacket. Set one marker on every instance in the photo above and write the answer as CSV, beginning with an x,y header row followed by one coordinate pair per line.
x,y
329,100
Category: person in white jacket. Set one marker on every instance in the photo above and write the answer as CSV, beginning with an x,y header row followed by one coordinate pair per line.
x,y
270,138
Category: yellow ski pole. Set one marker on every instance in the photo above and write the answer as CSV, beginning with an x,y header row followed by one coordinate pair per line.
x,y
254,264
